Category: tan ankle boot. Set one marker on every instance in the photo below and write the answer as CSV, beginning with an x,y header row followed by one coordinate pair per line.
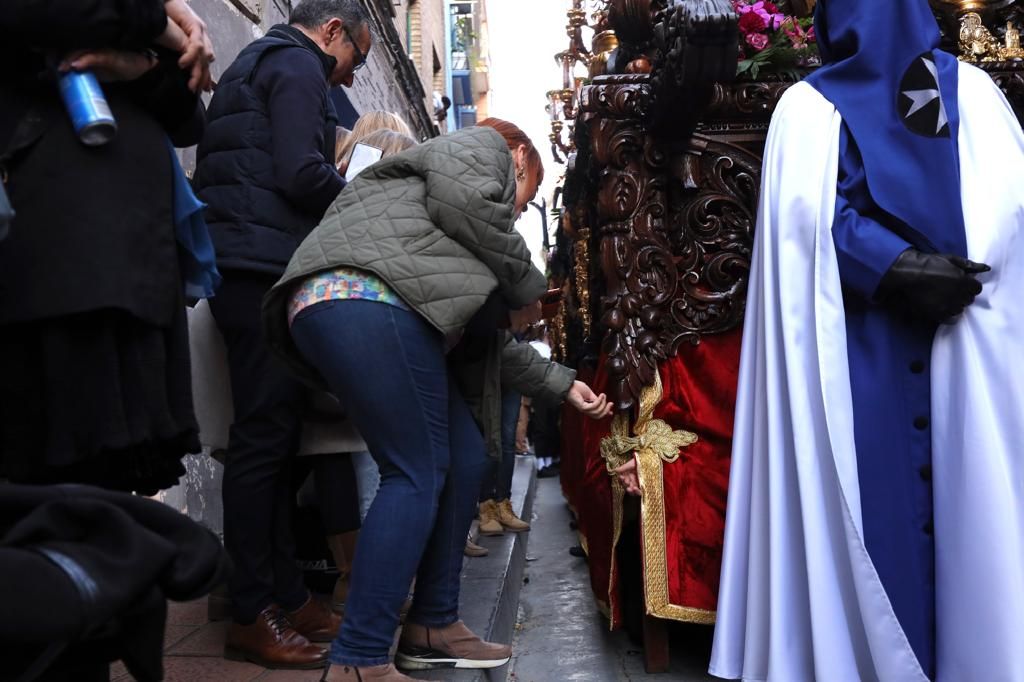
x,y
453,646
343,549
378,673
508,519
475,550
489,522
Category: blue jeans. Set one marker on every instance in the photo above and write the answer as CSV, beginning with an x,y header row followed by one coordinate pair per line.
x,y
498,482
388,367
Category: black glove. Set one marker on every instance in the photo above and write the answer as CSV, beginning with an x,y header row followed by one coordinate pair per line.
x,y
933,287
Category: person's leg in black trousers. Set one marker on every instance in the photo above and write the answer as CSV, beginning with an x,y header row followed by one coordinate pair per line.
x,y
268,404
337,494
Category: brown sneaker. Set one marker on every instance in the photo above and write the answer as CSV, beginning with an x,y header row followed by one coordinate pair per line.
x,y
489,522
475,550
347,673
454,646
508,519
272,643
315,621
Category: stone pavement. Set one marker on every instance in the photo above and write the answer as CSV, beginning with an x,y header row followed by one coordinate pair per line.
x,y
194,646
194,652
561,636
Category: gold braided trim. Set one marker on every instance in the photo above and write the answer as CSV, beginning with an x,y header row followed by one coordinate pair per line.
x,y
655,443
659,445
618,511
602,606
654,438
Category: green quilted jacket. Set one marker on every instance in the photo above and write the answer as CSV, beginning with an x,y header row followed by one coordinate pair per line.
x,y
436,224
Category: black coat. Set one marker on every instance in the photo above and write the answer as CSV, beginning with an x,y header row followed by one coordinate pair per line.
x,y
94,225
90,570
265,167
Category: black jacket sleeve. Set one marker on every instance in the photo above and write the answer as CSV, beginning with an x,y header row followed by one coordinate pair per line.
x,y
76,24
164,93
295,89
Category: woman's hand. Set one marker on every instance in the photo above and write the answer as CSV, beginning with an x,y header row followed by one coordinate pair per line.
x,y
193,42
586,401
628,477
110,65
520,320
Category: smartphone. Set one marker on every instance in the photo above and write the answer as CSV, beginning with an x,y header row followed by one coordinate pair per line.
x,y
363,155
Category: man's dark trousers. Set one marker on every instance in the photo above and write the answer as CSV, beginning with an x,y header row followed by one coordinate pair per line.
x,y
268,404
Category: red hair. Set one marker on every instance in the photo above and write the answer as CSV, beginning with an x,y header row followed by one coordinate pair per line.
x,y
515,138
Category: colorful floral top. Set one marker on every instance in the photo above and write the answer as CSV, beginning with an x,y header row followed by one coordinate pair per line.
x,y
341,284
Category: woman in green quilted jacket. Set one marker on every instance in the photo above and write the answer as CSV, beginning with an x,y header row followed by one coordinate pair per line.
x,y
401,286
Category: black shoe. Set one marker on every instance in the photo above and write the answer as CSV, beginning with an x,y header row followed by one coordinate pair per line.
x,y
577,551
550,471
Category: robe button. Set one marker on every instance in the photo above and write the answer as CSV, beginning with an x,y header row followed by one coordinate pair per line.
x,y
921,423
917,367
928,528
926,473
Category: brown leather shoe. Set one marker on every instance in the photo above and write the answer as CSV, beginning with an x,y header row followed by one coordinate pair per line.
x,y
272,643
453,646
377,673
315,620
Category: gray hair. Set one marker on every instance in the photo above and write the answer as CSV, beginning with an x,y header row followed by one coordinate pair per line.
x,y
315,13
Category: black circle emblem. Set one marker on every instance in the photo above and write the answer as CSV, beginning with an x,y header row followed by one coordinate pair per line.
x,y
921,106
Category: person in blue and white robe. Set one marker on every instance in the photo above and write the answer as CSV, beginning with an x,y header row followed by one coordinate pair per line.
x,y
875,522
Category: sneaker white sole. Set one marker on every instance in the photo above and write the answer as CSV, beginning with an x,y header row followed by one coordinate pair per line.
x,y
407,662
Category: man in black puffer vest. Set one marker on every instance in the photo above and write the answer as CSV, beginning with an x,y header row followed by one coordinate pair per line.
x,y
265,169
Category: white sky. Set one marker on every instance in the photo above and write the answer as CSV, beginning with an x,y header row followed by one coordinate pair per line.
x,y
524,37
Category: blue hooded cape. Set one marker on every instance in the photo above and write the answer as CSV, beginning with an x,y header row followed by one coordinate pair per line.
x,y
897,94
898,187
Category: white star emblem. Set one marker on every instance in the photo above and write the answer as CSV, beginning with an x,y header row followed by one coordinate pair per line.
x,y
922,98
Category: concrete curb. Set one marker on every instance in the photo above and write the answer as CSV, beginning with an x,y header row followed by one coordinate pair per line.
x,y
491,584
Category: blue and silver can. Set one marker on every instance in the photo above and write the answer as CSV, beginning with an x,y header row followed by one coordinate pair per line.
x,y
90,114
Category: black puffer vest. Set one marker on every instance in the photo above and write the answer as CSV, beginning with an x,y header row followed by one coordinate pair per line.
x,y
254,227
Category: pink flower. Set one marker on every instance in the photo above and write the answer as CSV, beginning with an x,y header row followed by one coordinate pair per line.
x,y
811,35
758,41
797,36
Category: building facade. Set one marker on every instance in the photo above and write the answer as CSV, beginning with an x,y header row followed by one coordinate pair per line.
x,y
392,79
469,61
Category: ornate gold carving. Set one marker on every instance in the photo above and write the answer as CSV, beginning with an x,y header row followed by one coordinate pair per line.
x,y
557,332
602,46
977,44
581,269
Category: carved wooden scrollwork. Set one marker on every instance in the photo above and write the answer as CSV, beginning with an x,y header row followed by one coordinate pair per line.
x,y
745,100
712,235
675,230
635,251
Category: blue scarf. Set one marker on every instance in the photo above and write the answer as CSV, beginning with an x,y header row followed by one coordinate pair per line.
x,y
196,256
883,71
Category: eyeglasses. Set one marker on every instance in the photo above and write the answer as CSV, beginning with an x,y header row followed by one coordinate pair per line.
x,y
360,57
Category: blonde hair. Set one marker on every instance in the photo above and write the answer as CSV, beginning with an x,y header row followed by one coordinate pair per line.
x,y
368,123
389,142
